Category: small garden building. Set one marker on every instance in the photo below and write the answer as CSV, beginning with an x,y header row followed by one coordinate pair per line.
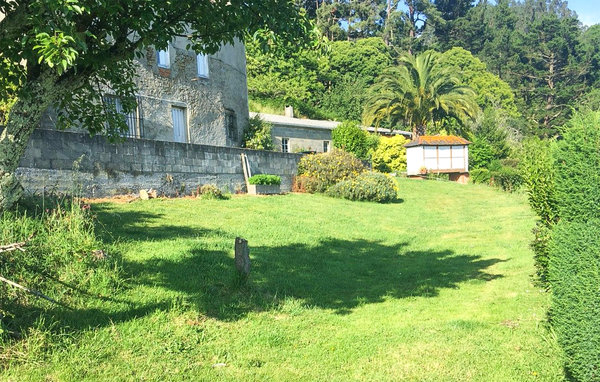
x,y
440,155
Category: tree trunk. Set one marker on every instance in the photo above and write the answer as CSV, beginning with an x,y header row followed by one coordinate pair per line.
x,y
418,130
25,115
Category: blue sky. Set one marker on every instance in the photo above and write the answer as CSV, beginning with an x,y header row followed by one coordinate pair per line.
x,y
587,10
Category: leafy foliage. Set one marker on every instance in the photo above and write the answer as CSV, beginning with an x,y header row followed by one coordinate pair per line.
x,y
390,155
417,93
575,310
368,186
266,179
480,175
350,137
318,172
257,135
578,169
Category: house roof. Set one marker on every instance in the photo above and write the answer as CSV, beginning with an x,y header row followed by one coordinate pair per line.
x,y
438,140
317,124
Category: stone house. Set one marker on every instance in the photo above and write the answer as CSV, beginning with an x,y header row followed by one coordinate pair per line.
x,y
300,135
188,97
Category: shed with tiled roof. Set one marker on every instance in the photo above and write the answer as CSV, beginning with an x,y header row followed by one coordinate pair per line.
x,y
438,154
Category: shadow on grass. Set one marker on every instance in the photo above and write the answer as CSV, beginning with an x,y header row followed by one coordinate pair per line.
x,y
333,274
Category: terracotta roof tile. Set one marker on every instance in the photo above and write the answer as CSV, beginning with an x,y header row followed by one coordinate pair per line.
x,y
437,140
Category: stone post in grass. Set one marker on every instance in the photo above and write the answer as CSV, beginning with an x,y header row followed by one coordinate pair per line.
x,y
242,259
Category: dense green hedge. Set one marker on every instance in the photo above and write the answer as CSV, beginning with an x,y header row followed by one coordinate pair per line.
x,y
265,179
369,186
575,312
578,169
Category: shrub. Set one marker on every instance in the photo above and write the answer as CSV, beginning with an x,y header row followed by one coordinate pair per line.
x,y
507,178
538,172
349,137
575,309
210,191
368,186
480,176
257,135
265,179
390,155
318,172
578,169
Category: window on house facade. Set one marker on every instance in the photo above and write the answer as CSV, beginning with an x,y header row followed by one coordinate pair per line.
x,y
325,146
202,64
178,116
163,58
230,124
285,145
134,119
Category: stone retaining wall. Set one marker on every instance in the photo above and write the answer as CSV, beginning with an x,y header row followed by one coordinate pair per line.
x,y
66,161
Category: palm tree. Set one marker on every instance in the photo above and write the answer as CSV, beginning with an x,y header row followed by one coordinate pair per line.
x,y
419,92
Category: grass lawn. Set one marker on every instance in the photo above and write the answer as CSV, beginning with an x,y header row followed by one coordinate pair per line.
x,y
436,287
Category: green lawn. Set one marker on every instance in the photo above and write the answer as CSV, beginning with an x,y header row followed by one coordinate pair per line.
x,y
436,287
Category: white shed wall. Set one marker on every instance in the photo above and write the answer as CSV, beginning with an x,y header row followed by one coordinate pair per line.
x,y
437,158
414,160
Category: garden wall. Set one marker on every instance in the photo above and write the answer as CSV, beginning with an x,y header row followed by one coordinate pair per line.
x,y
65,161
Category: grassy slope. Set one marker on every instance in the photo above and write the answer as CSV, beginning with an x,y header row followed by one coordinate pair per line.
x,y
434,288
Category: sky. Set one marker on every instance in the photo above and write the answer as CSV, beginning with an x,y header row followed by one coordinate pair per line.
x,y
587,10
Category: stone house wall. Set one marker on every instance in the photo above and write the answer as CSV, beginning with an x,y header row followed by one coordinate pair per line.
x,y
206,101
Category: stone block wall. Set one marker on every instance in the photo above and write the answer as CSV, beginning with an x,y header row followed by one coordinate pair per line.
x,y
64,161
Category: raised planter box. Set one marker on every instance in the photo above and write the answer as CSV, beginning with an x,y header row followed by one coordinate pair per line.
x,y
264,189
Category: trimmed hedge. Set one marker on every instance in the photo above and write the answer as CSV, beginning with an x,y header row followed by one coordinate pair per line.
x,y
318,172
578,169
265,179
574,272
369,186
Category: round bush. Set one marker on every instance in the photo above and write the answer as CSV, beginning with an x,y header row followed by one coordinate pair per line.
x,y
349,137
318,172
369,186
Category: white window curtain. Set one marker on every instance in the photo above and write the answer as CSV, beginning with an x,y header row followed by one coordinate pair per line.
x,y
202,62
163,58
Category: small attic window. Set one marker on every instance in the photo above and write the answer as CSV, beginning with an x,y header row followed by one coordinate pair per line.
x,y
163,58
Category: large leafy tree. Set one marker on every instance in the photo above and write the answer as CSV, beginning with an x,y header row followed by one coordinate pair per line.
x,y
61,53
419,92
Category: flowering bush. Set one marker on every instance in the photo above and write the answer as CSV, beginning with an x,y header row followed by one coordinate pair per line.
x,y
390,155
318,172
369,186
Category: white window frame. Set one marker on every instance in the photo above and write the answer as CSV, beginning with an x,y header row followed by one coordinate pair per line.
x,y
202,65
326,146
285,145
166,54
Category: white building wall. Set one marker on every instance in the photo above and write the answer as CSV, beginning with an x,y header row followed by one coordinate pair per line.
x,y
414,160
